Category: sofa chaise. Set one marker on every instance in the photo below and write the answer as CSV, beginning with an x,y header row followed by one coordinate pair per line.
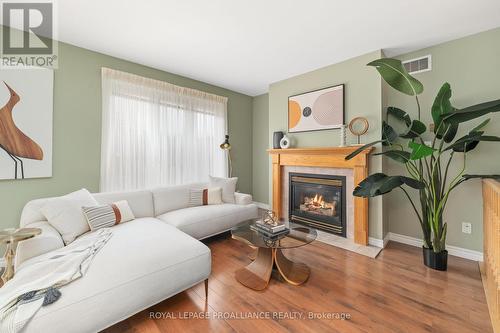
x,y
147,260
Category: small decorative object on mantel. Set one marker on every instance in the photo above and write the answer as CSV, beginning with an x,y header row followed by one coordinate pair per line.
x,y
359,126
343,136
226,146
277,136
285,142
11,237
316,110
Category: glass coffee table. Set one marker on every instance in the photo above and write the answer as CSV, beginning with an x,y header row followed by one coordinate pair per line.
x,y
269,255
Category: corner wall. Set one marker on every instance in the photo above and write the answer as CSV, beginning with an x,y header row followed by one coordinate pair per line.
x,y
472,67
362,98
260,143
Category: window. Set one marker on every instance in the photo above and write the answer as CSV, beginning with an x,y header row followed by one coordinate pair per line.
x,y
155,133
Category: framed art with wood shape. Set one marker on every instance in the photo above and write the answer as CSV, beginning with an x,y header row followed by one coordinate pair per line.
x,y
26,97
316,110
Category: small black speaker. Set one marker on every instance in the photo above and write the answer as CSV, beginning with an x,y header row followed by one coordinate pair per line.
x,y
277,136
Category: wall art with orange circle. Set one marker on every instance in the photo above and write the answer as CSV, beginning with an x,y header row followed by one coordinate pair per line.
x,y
316,110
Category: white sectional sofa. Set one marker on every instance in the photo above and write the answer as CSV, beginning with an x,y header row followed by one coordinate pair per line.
x,y
147,260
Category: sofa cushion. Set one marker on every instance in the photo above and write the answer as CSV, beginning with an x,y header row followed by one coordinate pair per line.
x,y
205,196
204,221
228,186
66,216
170,198
108,215
141,202
144,262
242,198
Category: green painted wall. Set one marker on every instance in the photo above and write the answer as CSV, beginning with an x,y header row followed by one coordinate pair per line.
x,y
472,66
362,98
385,201
260,176
77,129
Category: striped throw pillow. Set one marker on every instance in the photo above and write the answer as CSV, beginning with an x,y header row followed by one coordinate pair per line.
x,y
205,196
105,216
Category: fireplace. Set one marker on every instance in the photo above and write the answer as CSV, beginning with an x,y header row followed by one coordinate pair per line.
x,y
318,201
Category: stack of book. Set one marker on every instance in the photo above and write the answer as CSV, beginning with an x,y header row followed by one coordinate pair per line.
x,y
270,230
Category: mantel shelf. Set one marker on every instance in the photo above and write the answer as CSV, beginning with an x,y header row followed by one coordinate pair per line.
x,y
320,150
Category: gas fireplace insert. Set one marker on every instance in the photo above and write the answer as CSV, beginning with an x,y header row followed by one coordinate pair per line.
x,y
318,201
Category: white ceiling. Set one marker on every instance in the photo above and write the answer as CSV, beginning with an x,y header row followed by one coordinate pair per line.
x,y
244,45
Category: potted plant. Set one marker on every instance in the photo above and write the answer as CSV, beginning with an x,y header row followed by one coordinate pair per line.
x,y
426,156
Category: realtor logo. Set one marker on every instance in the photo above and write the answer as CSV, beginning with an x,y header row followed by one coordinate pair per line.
x,y
28,34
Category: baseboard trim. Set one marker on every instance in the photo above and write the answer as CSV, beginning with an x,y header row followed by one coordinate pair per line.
x,y
375,242
262,205
452,250
386,239
382,243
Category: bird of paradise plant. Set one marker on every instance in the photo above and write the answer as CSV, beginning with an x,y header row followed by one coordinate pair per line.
x,y
427,163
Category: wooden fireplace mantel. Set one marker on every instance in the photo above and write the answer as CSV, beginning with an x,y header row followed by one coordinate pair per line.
x,y
325,157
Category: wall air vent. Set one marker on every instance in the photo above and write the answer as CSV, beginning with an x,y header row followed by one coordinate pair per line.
x,y
418,65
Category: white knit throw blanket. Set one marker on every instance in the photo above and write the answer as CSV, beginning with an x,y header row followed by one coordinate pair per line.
x,y
51,270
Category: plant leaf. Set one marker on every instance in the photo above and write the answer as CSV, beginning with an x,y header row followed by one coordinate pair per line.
x,y
360,149
472,112
450,132
419,150
470,141
389,135
394,73
444,231
465,143
480,126
399,114
414,130
489,138
413,183
397,155
379,183
441,106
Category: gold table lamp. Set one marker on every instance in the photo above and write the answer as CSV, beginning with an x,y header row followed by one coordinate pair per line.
x,y
11,237
227,147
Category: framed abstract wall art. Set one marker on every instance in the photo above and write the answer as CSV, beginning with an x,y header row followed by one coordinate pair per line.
x,y
316,110
26,107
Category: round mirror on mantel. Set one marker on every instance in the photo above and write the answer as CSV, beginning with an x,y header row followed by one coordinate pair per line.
x,y
358,126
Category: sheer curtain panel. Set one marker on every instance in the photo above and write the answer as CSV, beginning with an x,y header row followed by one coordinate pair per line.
x,y
155,133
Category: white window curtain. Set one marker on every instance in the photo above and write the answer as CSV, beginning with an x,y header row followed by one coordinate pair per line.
x,y
155,133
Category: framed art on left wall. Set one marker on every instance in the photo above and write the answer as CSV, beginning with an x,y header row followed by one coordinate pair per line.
x,y
316,110
26,100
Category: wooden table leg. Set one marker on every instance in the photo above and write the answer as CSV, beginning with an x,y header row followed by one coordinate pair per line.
x,y
293,272
257,275
253,255
9,258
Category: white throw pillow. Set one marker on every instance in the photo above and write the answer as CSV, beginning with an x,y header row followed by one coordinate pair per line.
x,y
205,196
228,186
108,215
66,216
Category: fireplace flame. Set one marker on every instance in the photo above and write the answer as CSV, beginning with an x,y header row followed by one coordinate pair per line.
x,y
318,205
318,201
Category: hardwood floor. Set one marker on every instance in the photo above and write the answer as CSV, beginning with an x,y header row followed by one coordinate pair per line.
x,y
393,293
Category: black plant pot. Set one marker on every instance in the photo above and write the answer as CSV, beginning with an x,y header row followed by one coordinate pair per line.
x,y
437,261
